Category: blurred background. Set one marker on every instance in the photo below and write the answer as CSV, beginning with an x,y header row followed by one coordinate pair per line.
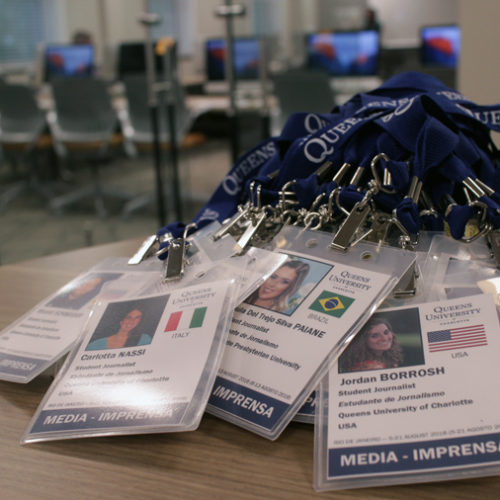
x,y
80,160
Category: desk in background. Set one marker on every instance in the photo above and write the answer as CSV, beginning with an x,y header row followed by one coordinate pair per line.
x,y
218,460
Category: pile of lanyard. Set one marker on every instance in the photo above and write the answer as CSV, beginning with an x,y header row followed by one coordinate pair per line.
x,y
412,154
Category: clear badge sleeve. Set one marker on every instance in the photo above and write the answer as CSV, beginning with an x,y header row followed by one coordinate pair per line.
x,y
34,342
249,270
307,411
284,336
413,288
421,405
461,269
143,365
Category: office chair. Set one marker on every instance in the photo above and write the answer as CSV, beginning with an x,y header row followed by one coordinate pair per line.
x,y
136,94
21,125
83,124
137,126
302,90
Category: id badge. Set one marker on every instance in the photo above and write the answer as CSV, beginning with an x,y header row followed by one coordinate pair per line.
x,y
284,336
413,398
143,365
307,410
43,335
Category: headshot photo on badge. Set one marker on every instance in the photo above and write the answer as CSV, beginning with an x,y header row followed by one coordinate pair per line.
x,y
274,294
81,293
286,288
380,345
128,324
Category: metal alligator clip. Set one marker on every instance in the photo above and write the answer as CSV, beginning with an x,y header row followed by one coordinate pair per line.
x,y
257,217
149,247
345,237
229,225
176,258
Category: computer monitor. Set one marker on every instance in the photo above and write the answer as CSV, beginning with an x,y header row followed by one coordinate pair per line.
x,y
246,58
440,46
131,59
344,53
68,60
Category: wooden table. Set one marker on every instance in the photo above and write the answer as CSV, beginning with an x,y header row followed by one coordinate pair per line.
x,y
218,460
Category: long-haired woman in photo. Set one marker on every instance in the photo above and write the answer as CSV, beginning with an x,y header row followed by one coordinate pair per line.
x,y
276,291
374,347
127,334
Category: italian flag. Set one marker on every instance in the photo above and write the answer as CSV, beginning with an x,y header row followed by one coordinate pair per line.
x,y
186,319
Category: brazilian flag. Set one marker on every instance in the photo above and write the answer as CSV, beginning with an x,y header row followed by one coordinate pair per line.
x,y
331,303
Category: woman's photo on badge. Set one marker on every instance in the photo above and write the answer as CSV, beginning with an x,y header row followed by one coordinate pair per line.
x,y
285,289
76,295
128,323
389,339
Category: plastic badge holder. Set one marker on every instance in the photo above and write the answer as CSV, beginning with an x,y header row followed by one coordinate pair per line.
x,y
274,360
200,250
421,283
307,411
216,259
250,270
34,342
434,417
461,269
160,382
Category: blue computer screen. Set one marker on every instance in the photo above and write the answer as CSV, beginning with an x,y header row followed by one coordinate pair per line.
x,y
440,45
246,58
69,60
344,53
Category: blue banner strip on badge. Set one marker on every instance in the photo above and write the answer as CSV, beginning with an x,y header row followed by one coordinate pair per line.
x,y
19,366
409,457
73,419
309,407
246,403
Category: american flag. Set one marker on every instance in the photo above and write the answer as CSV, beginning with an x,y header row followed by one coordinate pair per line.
x,y
456,338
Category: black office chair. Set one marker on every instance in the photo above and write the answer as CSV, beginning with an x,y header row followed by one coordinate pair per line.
x,y
136,93
137,126
83,124
302,90
21,125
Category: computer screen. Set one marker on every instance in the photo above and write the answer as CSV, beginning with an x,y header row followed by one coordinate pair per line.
x,y
131,58
68,60
246,58
440,46
344,53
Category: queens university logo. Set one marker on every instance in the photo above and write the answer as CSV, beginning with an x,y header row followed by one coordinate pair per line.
x,y
331,303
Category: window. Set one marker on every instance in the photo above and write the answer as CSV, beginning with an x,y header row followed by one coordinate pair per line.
x,y
176,21
20,30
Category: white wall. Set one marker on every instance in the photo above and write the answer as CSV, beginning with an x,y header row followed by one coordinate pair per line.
x,y
479,70
401,19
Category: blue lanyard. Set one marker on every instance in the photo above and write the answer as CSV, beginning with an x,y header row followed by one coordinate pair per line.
x,y
431,135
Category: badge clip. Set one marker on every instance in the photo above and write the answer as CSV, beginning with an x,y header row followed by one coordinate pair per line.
x,y
174,268
147,248
176,258
249,233
230,223
344,236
